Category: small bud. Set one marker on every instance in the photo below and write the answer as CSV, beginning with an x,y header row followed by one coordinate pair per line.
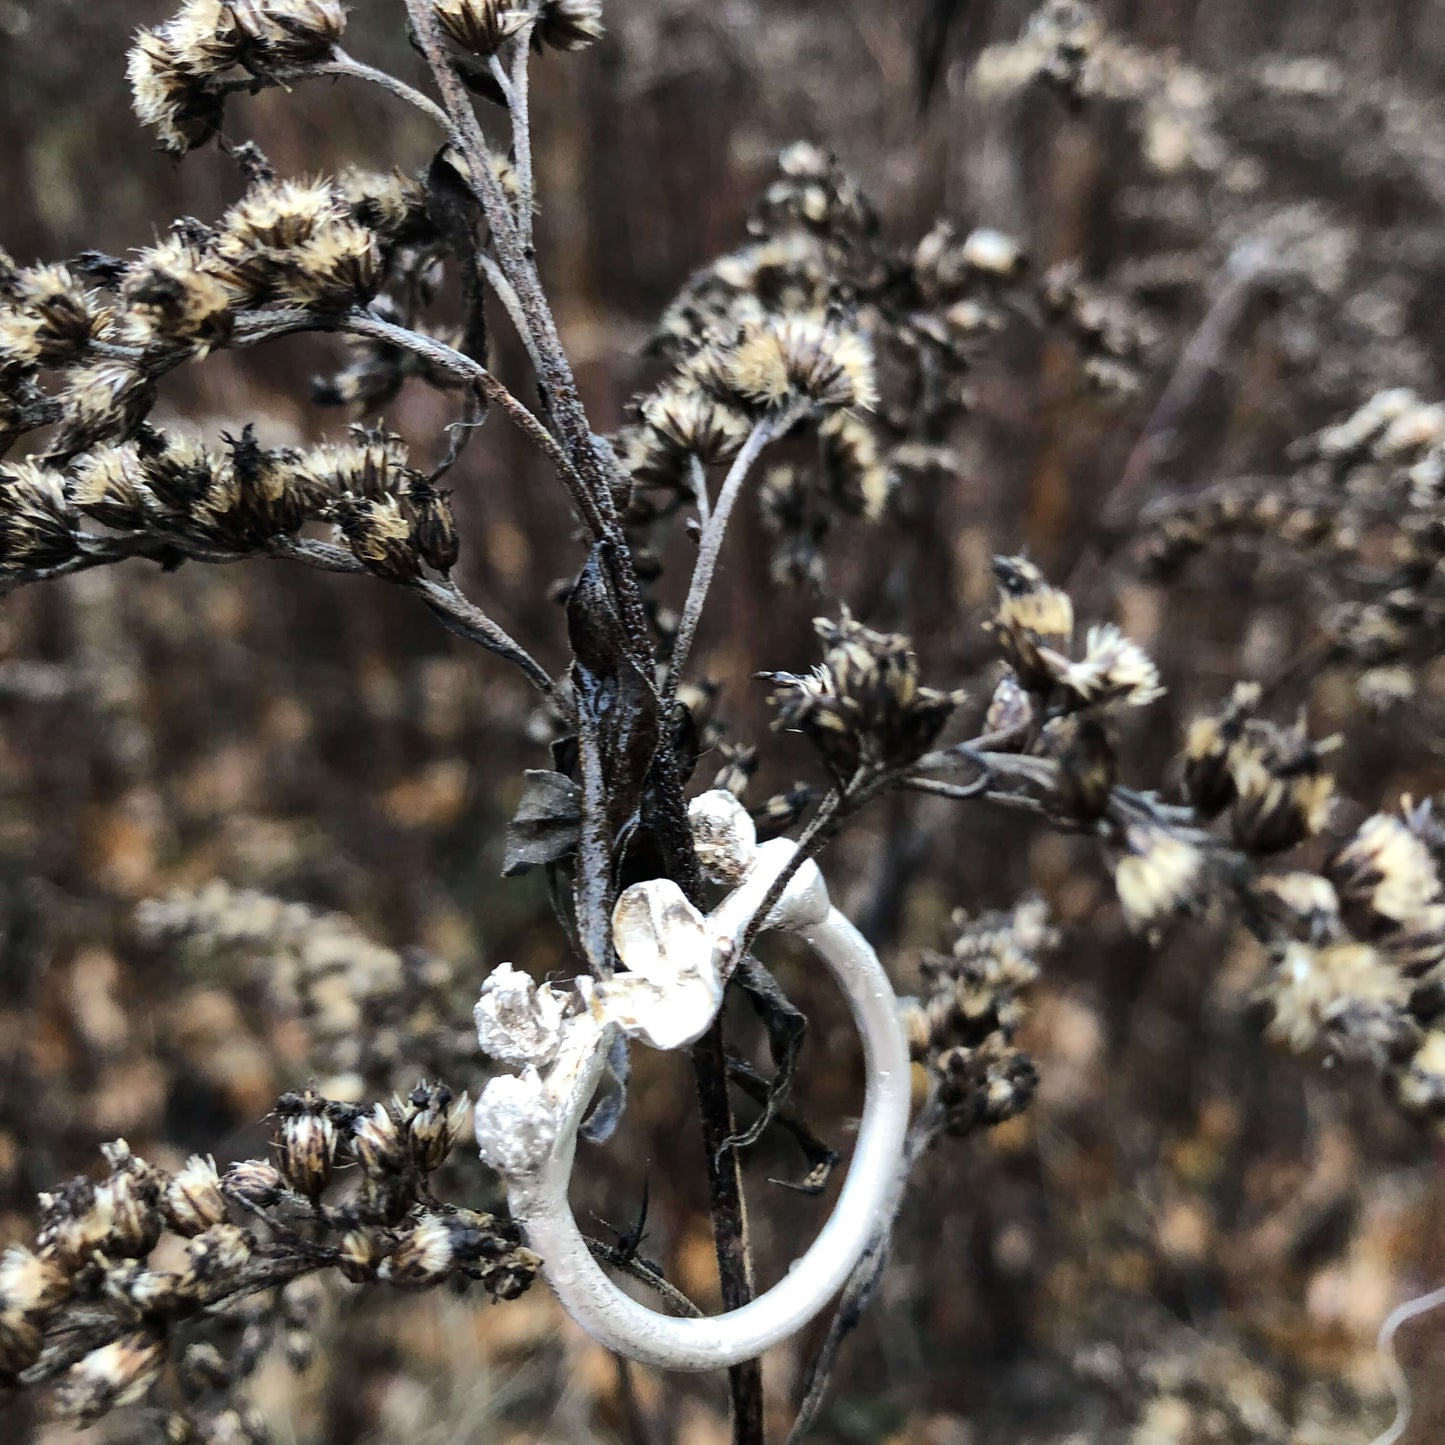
x,y
433,529
435,1122
253,1182
307,1142
193,1201
425,1256
376,1142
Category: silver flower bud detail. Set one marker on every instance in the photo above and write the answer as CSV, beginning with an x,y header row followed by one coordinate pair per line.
x,y
518,1022
724,836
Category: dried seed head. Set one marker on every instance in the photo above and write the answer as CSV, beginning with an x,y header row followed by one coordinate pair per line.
x,y
217,1255
434,1123
171,299
1420,1084
379,536
390,203
372,464
276,215
864,706
31,1283
107,483
307,1142
193,1201
481,26
359,1256
169,96
102,401
130,1197
377,1143
688,421
116,1374
287,32
1208,778
433,528
50,320
425,1257
1030,616
1084,747
1283,794
1113,670
203,1369
37,521
797,358
1162,876
1299,906
337,268
1385,875
569,24
859,480
253,1182
1346,995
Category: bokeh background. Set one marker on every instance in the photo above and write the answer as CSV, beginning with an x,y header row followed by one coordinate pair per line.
x,y
1188,1215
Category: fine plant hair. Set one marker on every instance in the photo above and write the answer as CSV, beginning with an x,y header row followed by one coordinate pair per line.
x,y
822,373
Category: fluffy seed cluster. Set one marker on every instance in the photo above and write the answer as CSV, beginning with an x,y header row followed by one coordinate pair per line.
x,y
86,1312
863,708
1034,627
1357,955
963,1027
172,497
1271,778
177,71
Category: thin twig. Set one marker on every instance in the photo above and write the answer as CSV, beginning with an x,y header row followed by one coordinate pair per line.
x,y
858,1292
711,545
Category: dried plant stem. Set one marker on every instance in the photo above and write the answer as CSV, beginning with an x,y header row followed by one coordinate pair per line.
x,y
458,614
342,64
714,530
449,359
515,90
858,1292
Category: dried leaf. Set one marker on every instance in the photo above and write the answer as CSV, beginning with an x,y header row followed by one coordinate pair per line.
x,y
547,825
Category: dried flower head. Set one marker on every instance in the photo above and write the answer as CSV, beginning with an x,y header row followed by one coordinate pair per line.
x,y
307,1141
171,299
864,706
800,359
1162,876
1282,793
1031,616
1114,669
116,1374
170,94
481,26
1345,995
379,535
1208,777
569,24
285,32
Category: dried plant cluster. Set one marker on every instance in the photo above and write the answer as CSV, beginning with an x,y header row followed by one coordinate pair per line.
x,y
832,375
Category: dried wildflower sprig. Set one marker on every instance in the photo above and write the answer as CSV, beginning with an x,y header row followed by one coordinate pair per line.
x,y
84,1312
962,1032
376,1016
